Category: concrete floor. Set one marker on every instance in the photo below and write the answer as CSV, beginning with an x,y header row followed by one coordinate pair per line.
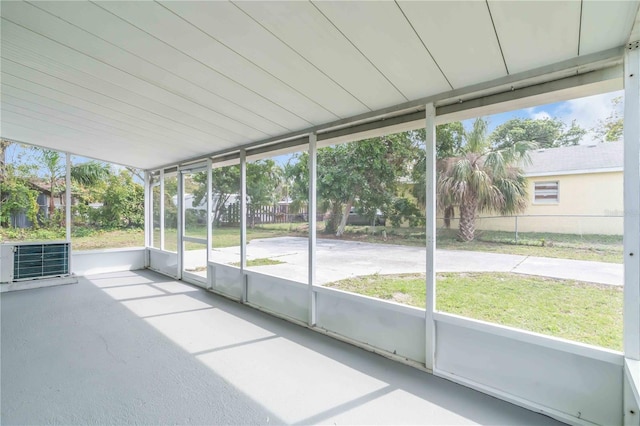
x,y
140,348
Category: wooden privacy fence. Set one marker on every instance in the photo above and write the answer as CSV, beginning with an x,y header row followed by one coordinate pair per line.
x,y
261,214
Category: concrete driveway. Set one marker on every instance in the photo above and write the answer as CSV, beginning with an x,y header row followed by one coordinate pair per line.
x,y
337,259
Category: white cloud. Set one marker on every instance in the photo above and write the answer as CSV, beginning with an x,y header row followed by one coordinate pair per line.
x,y
540,115
587,112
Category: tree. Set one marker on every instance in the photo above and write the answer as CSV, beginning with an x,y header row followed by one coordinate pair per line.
x,y
264,179
54,170
225,183
88,178
89,181
123,202
611,129
482,177
4,144
170,208
90,173
449,140
546,133
363,174
572,136
136,173
16,196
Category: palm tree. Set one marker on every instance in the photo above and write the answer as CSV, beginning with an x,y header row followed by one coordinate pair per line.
x,y
54,170
450,137
90,173
85,175
89,180
482,178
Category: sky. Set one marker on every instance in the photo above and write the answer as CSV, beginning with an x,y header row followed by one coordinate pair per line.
x,y
587,112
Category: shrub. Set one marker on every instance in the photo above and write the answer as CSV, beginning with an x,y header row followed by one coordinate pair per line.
x,y
403,210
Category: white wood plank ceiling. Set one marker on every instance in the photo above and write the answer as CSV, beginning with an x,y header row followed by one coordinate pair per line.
x,y
152,83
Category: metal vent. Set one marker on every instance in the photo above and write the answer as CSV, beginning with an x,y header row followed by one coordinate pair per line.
x,y
40,260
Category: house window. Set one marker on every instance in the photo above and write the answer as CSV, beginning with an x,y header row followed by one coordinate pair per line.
x,y
545,192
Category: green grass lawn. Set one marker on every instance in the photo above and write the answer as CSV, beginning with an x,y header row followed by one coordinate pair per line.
x,y
109,239
81,238
601,248
89,239
230,237
263,261
573,310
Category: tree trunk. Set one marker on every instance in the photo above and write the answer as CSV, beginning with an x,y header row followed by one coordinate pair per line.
x,y
3,149
345,216
52,204
219,209
253,218
467,227
330,226
449,213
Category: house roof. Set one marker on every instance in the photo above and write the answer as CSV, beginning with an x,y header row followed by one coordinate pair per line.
x,y
578,158
148,84
44,186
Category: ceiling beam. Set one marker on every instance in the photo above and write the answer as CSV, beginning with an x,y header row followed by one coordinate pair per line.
x,y
582,70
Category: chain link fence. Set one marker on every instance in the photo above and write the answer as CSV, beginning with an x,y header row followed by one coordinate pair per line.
x,y
517,225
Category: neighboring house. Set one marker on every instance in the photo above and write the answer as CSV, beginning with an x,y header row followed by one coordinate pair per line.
x,y
576,189
20,220
188,201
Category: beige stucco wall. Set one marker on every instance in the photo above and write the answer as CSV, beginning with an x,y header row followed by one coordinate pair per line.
x,y
589,194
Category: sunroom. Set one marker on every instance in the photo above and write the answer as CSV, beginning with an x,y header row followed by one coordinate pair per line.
x,y
221,319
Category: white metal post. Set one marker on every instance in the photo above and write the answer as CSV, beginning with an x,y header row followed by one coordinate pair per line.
x,y
209,222
67,196
148,227
311,211
180,243
209,210
162,209
430,211
67,219
149,217
632,201
243,221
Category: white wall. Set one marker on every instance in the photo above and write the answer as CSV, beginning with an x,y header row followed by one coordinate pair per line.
x,y
278,295
227,280
164,262
393,328
573,382
631,392
107,260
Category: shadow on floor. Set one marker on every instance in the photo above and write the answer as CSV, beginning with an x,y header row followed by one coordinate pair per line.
x,y
138,347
